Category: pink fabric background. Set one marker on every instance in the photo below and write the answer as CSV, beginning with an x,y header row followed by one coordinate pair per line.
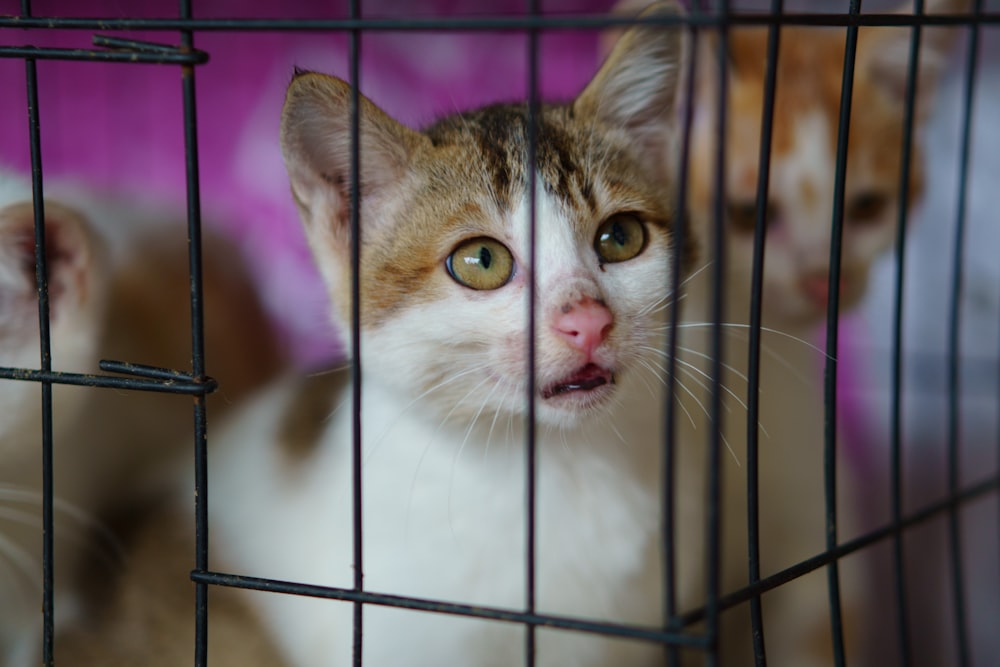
x,y
119,126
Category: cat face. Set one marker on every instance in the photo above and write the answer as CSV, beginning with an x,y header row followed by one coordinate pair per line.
x,y
445,216
803,159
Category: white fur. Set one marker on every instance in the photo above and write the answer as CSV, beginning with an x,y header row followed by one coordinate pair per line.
x,y
444,491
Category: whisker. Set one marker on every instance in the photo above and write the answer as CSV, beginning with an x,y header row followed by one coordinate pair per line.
x,y
690,367
329,371
465,440
496,414
696,273
793,369
703,409
624,441
433,437
565,444
645,364
777,332
661,304
732,369
377,441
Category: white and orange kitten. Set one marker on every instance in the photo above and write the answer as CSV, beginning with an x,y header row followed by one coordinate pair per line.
x,y
803,158
792,418
803,149
444,277
118,290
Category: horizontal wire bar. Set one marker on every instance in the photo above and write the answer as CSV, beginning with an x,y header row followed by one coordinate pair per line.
x,y
144,371
474,611
170,383
729,600
155,57
110,42
494,23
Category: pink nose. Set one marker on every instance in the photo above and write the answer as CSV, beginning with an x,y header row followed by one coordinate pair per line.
x,y
584,325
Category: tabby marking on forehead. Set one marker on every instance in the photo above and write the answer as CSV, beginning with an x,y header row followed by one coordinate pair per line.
x,y
500,135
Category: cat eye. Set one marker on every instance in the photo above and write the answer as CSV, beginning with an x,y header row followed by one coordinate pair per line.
x,y
619,238
481,264
742,216
867,206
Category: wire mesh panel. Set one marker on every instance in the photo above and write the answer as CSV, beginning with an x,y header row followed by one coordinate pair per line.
x,y
733,378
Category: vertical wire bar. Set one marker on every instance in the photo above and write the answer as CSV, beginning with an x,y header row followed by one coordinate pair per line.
x,y
45,356
531,453
672,654
714,517
45,348
895,420
954,529
354,58
753,370
197,338
832,330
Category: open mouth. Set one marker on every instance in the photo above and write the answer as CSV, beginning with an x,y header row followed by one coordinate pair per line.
x,y
586,379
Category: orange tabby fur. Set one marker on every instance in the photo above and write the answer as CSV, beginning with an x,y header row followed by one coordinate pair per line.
x,y
791,419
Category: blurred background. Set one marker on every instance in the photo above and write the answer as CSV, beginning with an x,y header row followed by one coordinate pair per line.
x,y
118,128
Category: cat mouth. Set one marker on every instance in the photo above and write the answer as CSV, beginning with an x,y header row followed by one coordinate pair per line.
x,y
586,379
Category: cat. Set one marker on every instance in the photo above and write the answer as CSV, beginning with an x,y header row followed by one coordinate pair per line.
x,y
444,274
119,290
797,250
791,428
803,156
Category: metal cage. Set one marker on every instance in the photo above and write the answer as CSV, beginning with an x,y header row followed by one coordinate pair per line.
x,y
23,26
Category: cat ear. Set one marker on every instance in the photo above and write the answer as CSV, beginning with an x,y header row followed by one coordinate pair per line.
x,y
316,143
884,53
609,36
637,88
69,259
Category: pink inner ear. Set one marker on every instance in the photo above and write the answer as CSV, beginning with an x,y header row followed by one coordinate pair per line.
x,y
24,247
55,252
57,256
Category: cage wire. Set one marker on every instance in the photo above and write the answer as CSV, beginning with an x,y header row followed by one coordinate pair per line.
x,y
719,18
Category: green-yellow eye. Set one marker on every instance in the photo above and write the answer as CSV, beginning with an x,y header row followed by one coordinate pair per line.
x,y
619,238
481,263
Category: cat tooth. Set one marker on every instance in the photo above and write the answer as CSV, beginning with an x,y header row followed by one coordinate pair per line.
x,y
588,378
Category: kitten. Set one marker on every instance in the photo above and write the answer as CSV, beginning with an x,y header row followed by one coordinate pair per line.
x,y
803,158
443,287
797,254
445,272
791,417
119,290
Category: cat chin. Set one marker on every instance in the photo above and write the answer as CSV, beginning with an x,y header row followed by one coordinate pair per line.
x,y
575,409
